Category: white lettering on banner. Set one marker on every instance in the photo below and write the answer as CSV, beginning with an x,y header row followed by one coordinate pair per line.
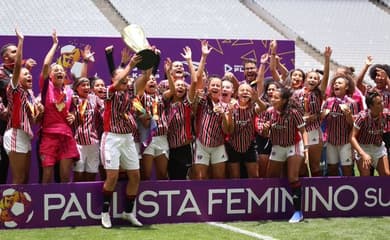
x,y
276,201
89,207
252,196
332,200
285,196
134,75
187,205
183,207
178,202
50,207
336,198
169,199
231,201
213,201
316,195
144,202
238,68
235,68
71,203
375,200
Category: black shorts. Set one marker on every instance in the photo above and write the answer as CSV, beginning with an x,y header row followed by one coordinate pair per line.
x,y
263,145
180,160
246,157
386,140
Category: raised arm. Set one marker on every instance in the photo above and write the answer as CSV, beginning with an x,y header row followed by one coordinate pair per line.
x,y
171,89
87,57
202,63
18,60
120,77
260,74
281,68
141,81
325,78
261,105
194,79
49,56
273,64
359,79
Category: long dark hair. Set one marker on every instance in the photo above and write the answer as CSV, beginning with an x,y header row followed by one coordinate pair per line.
x,y
285,94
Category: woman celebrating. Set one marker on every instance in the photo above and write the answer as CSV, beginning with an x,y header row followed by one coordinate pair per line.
x,y
366,137
286,128
23,112
338,111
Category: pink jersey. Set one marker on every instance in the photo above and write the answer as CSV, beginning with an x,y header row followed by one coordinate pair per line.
x,y
57,103
21,109
88,114
338,129
244,131
370,129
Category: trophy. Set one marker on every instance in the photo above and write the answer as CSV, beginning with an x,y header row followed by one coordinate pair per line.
x,y
134,38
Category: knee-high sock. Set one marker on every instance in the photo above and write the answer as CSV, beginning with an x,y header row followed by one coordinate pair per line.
x,y
296,191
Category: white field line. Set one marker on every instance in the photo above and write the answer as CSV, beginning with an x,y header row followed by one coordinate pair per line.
x,y
242,231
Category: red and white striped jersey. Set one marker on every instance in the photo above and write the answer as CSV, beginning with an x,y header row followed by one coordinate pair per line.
x,y
244,132
155,105
284,129
21,109
117,109
338,129
88,114
179,123
370,129
209,123
310,102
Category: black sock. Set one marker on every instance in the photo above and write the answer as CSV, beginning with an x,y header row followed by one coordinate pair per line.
x,y
107,196
129,203
296,191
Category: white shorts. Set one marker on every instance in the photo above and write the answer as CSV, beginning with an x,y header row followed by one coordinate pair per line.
x,y
209,155
137,146
314,137
158,146
374,151
89,158
118,150
339,154
16,140
280,154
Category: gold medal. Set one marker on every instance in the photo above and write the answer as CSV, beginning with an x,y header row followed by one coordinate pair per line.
x,y
59,101
32,109
60,106
125,116
82,108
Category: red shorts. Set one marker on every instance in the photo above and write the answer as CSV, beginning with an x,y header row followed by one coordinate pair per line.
x,y
55,147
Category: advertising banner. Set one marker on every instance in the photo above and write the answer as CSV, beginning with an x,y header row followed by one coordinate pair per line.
x,y
79,204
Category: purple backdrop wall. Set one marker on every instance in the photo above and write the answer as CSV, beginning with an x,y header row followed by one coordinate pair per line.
x,y
77,204
227,55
